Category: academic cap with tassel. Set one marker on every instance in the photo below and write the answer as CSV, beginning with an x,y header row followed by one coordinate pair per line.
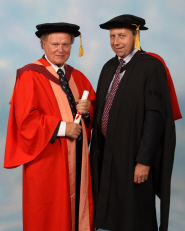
x,y
48,28
126,21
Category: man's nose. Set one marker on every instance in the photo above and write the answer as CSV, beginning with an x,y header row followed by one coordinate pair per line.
x,y
60,48
116,40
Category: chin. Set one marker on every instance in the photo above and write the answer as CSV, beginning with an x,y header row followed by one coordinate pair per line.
x,y
60,62
120,55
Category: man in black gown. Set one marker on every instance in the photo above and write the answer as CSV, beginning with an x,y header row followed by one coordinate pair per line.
x,y
133,139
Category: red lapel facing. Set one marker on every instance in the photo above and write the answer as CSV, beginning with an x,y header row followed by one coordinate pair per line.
x,y
175,105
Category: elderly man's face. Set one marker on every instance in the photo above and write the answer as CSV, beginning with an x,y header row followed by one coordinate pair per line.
x,y
122,41
57,47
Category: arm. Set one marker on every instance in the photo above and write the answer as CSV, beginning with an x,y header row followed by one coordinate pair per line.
x,y
68,129
153,122
71,129
150,141
31,123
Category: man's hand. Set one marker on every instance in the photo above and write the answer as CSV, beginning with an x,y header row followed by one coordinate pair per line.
x,y
73,130
83,106
141,173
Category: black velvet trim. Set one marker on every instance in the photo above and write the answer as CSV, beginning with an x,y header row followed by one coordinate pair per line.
x,y
54,136
87,120
78,178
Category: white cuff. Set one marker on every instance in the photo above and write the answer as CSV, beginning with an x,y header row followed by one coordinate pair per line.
x,y
62,129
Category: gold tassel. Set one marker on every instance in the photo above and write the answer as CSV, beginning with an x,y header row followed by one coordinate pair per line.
x,y
137,45
81,48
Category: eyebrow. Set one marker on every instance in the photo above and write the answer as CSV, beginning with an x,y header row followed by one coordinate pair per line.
x,y
118,34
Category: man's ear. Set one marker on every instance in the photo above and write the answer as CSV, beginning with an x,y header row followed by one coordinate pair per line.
x,y
43,44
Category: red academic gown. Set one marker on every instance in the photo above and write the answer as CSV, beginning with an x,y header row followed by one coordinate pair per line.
x,y
34,116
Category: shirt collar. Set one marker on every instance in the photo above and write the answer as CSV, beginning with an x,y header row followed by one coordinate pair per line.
x,y
128,57
55,66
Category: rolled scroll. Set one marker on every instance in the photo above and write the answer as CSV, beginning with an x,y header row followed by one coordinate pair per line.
x,y
78,115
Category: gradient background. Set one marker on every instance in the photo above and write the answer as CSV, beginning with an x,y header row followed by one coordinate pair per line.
x,y
19,46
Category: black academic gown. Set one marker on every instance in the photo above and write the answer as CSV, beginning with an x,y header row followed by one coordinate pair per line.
x,y
120,205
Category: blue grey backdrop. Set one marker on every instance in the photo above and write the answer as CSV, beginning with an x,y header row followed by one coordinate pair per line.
x,y
19,46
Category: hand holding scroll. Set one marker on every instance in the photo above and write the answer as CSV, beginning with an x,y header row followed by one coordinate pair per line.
x,y
83,106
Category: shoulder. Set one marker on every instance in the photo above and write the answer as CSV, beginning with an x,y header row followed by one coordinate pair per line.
x,y
154,68
151,60
81,81
25,81
110,62
29,69
79,75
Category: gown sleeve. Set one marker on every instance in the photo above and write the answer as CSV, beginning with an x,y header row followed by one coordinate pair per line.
x,y
157,99
30,126
157,95
151,138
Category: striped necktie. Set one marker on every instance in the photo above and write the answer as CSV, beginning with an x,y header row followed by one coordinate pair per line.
x,y
108,104
65,87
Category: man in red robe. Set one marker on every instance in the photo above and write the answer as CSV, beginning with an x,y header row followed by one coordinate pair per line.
x,y
43,137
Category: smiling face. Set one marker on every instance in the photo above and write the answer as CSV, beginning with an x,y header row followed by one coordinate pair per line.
x,y
122,41
57,47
